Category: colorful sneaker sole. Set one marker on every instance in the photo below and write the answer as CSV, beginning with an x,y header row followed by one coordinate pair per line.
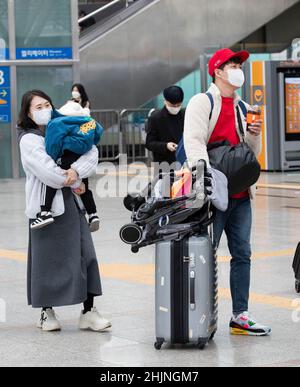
x,y
236,331
244,332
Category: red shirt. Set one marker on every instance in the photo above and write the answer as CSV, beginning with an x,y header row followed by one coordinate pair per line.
x,y
225,130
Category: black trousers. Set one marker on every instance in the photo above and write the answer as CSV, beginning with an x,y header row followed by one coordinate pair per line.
x,y
87,305
67,159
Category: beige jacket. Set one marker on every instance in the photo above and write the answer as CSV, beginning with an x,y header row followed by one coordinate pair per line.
x,y
198,129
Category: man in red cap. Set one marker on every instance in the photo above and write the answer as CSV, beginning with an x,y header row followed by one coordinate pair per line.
x,y
207,122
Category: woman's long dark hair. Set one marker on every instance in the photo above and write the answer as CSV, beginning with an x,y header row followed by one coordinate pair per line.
x,y
84,96
24,121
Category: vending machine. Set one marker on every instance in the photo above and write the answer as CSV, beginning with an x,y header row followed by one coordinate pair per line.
x,y
275,87
289,114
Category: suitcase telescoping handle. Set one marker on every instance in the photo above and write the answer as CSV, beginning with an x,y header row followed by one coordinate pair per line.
x,y
192,290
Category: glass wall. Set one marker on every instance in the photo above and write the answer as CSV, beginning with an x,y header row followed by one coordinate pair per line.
x,y
4,50
53,80
44,34
5,125
191,85
43,31
5,151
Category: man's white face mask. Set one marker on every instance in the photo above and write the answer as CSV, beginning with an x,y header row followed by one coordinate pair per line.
x,y
236,77
174,110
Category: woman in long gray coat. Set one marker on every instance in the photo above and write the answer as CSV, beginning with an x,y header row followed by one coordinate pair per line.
x,y
62,263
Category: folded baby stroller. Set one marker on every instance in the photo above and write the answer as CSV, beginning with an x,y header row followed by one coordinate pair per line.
x,y
174,213
173,206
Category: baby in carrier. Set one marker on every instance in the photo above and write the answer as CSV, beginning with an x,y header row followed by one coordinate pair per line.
x,y
70,134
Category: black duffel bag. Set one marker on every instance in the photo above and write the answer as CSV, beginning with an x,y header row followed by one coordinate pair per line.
x,y
238,163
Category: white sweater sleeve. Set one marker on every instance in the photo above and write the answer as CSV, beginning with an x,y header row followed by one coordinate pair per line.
x,y
35,160
86,165
255,143
196,129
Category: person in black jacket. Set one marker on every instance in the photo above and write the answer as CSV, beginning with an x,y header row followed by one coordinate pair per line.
x,y
165,127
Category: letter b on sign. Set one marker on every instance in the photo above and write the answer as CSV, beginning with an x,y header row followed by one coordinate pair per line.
x,y
2,80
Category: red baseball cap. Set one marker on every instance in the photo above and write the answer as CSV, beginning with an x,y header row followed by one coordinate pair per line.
x,y
223,56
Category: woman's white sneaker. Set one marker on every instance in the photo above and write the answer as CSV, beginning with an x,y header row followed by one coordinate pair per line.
x,y
48,321
93,321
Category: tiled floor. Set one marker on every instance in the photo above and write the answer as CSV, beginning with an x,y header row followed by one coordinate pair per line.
x,y
129,293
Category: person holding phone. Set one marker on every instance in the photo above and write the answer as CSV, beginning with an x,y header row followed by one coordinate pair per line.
x,y
165,127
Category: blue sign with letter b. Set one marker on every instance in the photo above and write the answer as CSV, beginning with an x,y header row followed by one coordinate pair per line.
x,y
5,105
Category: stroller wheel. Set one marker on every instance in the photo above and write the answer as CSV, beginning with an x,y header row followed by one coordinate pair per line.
x,y
135,249
297,286
133,202
131,234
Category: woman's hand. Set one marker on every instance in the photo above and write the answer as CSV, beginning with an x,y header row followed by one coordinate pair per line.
x,y
81,190
72,177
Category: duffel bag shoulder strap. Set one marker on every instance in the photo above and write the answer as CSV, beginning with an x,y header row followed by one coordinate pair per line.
x,y
240,123
243,108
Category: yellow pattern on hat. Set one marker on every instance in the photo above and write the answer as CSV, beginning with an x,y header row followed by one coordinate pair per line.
x,y
87,127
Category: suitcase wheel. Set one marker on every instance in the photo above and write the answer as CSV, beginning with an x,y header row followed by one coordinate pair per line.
x,y
297,286
201,344
158,344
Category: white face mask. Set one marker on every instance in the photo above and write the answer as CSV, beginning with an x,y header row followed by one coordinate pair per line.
x,y
42,117
76,94
236,77
173,110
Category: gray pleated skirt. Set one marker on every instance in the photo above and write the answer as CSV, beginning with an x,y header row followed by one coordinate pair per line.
x,y
62,262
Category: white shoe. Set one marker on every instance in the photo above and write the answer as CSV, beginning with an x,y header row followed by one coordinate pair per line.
x,y
48,321
94,321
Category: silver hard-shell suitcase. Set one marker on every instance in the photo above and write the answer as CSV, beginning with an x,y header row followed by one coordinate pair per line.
x,y
186,291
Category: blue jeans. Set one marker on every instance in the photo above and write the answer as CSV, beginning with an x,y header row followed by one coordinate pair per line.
x,y
237,222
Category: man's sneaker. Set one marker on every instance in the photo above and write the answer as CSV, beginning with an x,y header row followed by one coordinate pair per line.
x,y
48,321
93,321
244,324
42,219
94,222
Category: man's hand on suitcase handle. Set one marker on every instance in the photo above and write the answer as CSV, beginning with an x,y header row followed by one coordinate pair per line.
x,y
207,183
